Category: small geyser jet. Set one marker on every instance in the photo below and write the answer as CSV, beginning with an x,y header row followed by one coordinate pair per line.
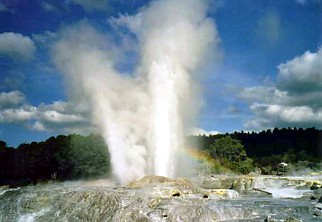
x,y
143,116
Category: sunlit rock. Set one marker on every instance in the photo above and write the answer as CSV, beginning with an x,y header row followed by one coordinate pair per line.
x,y
292,219
316,185
239,183
150,181
226,193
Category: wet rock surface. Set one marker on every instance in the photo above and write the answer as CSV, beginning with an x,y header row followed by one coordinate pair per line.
x,y
153,198
316,194
318,207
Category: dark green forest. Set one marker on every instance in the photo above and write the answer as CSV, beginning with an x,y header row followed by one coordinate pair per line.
x,y
58,158
299,148
75,157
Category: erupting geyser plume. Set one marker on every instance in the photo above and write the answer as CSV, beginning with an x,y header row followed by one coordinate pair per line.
x,y
143,116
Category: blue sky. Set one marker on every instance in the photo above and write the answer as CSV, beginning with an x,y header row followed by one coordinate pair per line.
x,y
269,73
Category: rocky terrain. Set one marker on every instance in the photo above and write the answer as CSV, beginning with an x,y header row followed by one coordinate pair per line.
x,y
154,198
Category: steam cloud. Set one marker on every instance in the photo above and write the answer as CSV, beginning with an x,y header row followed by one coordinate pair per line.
x,y
142,116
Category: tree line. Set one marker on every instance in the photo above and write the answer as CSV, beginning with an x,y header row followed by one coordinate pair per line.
x,y
57,158
266,150
78,157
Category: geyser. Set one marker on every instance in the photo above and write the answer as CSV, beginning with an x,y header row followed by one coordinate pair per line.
x,y
144,115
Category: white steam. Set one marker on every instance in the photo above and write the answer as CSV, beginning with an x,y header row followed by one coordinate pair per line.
x,y
143,116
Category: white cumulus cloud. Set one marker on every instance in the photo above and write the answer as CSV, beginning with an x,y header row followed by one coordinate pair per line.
x,y
294,101
263,94
18,115
288,114
44,37
11,99
16,46
60,116
201,132
301,74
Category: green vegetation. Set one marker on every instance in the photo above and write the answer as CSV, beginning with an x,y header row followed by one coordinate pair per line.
x,y
231,154
85,157
80,157
207,164
243,152
57,158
